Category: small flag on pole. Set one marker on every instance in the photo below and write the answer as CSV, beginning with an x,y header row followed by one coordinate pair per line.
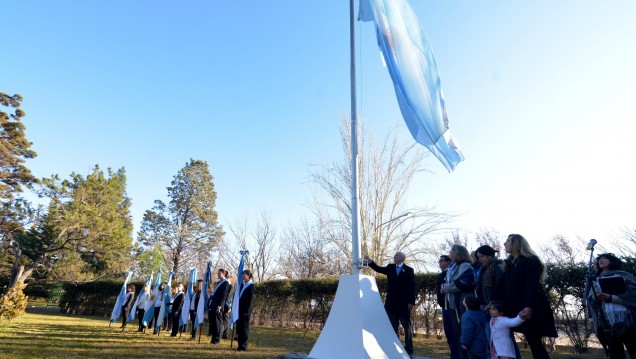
x,y
185,313
203,297
164,311
237,292
120,299
411,64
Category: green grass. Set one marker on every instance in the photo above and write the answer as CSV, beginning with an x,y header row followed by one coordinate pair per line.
x,y
53,335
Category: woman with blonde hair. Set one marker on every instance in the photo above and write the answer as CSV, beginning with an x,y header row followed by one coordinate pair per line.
x,y
521,290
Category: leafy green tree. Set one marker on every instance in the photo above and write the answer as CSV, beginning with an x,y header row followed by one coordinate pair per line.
x,y
149,260
187,228
85,233
14,149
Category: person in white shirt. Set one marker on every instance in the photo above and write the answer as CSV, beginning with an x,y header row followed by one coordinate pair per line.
x,y
501,338
144,297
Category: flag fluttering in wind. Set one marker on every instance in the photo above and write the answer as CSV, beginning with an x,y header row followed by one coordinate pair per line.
x,y
413,69
133,312
203,299
120,299
185,313
239,284
165,310
150,312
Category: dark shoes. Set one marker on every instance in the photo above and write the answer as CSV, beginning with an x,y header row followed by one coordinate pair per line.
x,y
215,342
241,349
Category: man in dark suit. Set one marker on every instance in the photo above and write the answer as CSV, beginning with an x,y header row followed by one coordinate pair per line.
x,y
400,295
177,307
216,304
444,263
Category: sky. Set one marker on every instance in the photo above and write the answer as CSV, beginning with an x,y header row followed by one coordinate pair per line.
x,y
541,97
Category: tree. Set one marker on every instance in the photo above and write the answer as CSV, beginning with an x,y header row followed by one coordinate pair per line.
x,y
149,260
305,252
85,233
265,253
187,228
388,224
14,149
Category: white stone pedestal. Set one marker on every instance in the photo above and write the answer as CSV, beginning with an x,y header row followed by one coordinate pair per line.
x,y
358,326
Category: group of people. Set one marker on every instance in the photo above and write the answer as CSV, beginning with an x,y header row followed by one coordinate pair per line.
x,y
485,300
219,303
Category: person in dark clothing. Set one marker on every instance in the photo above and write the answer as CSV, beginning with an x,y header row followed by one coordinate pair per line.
x,y
194,304
158,300
615,307
400,295
521,290
127,304
246,300
228,305
177,307
444,263
216,303
460,281
489,274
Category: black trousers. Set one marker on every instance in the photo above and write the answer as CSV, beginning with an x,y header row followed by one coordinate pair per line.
x,y
193,316
226,324
140,318
175,323
124,316
217,326
155,318
617,345
243,330
405,320
536,346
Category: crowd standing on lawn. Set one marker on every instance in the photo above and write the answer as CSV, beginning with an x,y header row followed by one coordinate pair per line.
x,y
482,305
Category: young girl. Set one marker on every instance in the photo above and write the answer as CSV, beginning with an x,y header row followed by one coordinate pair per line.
x,y
501,339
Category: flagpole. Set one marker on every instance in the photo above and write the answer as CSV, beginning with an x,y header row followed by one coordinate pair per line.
x,y
355,213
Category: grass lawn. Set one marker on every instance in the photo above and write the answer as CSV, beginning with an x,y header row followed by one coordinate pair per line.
x,y
53,335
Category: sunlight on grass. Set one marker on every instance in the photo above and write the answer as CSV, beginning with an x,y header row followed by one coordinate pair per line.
x,y
55,335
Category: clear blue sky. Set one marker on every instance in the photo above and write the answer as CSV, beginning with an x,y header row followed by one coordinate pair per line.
x,y
541,96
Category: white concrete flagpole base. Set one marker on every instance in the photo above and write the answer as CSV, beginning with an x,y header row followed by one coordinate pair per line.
x,y
358,326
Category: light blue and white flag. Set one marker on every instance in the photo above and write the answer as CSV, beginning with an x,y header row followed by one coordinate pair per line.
x,y
185,312
133,312
120,299
150,310
239,285
203,299
165,307
413,69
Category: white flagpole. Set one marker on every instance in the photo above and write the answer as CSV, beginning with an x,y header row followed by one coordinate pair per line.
x,y
355,213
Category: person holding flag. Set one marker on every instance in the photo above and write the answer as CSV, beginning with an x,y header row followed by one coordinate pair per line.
x,y
177,305
187,300
228,305
194,306
126,305
140,305
215,305
120,300
244,309
158,304
164,310
148,310
203,302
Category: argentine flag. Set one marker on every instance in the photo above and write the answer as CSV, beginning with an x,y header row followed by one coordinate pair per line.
x,y
239,283
203,297
120,299
150,305
411,64
185,312
164,311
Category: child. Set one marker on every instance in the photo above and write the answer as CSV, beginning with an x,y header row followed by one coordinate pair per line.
x,y
473,337
501,339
